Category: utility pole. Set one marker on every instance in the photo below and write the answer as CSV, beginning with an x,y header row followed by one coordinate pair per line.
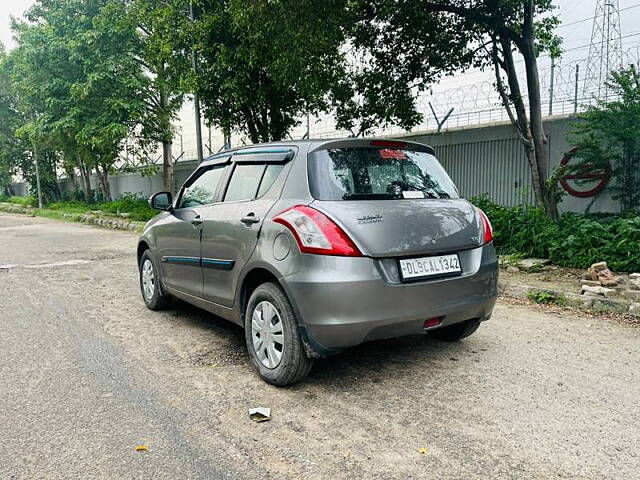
x,y
553,72
575,99
196,100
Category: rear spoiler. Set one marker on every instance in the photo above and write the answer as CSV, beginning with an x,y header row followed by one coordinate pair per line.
x,y
263,155
373,142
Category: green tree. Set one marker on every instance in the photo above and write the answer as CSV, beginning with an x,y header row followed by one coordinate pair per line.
x,y
420,40
608,133
263,65
82,92
12,152
150,27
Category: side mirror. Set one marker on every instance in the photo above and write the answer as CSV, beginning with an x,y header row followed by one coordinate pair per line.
x,y
161,201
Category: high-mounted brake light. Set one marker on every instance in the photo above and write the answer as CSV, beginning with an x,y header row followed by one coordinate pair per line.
x,y
387,143
317,233
487,229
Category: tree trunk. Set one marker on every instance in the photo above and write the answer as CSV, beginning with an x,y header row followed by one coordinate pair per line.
x,y
167,143
540,171
167,166
85,178
103,179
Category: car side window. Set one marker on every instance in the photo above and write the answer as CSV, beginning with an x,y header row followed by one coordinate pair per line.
x,y
244,182
202,190
251,180
269,177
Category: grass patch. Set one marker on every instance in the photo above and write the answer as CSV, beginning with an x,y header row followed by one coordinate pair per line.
x,y
547,297
135,209
22,201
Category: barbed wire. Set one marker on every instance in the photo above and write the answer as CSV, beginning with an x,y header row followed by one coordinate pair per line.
x,y
478,102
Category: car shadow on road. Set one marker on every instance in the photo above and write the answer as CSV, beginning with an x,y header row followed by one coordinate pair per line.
x,y
397,357
368,362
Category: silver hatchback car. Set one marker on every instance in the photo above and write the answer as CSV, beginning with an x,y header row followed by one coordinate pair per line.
x,y
315,246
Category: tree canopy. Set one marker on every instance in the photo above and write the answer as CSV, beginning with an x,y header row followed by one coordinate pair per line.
x,y
422,40
262,65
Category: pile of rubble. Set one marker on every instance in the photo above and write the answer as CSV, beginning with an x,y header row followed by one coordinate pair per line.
x,y
600,283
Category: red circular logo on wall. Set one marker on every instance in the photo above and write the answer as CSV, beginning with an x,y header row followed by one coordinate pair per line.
x,y
595,178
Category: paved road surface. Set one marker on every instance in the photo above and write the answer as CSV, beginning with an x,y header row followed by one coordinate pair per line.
x,y
87,373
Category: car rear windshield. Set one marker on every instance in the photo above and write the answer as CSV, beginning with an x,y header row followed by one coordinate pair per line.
x,y
377,174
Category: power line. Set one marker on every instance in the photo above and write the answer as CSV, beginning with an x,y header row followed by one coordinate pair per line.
x,y
591,18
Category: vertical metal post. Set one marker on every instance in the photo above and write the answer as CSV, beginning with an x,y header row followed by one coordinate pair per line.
x,y
35,160
575,98
226,133
210,145
551,85
196,100
308,127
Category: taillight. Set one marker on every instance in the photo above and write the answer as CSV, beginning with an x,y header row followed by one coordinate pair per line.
x,y
317,233
487,229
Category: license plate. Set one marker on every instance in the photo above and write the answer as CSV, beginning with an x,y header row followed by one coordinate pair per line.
x,y
429,266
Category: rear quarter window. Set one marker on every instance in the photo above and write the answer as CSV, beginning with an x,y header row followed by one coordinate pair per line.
x,y
250,181
377,174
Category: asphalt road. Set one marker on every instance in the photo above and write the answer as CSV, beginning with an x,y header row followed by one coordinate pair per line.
x,y
87,373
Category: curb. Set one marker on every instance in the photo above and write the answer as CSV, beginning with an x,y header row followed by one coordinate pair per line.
x,y
113,223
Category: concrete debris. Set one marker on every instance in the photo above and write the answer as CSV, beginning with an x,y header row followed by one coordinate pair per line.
x,y
600,281
605,292
632,295
532,264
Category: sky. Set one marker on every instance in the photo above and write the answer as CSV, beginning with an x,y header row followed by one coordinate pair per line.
x,y
8,8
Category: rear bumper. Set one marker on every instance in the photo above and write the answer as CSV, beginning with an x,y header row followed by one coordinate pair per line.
x,y
343,301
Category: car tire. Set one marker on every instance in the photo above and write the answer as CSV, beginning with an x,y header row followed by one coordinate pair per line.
x,y
455,332
152,293
273,340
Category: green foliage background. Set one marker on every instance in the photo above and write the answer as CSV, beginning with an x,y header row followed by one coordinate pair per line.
x,y
609,133
575,241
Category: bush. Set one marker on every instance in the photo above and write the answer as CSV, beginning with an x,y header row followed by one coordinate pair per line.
x,y
575,241
27,201
138,208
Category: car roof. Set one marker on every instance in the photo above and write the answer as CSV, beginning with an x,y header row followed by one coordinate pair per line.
x,y
313,145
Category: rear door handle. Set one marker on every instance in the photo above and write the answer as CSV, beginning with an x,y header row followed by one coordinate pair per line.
x,y
197,221
249,219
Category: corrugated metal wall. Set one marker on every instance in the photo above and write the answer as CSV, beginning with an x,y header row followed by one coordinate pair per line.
x,y
496,167
485,159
